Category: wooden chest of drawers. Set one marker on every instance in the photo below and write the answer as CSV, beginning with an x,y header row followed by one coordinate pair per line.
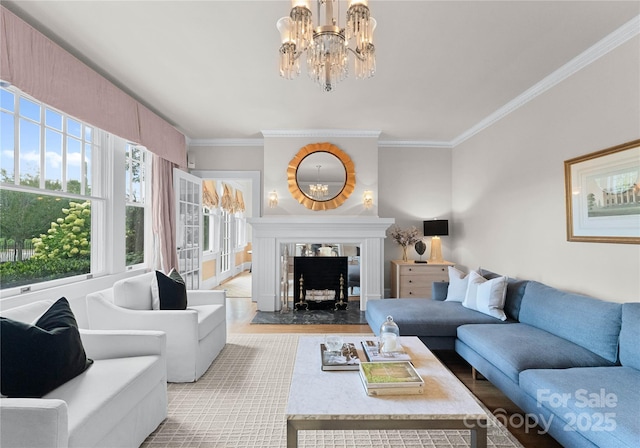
x,y
413,280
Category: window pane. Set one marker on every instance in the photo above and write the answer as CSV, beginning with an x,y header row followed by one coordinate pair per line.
x,y
74,159
7,100
6,147
135,235
29,153
53,160
44,237
136,183
53,119
87,163
206,232
88,133
29,109
74,128
127,179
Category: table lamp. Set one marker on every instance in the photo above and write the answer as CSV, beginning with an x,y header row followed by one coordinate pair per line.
x,y
436,228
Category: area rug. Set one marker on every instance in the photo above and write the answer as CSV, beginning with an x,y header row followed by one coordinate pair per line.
x,y
240,402
351,316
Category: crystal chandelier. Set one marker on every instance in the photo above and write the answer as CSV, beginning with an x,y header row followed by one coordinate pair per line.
x,y
327,44
318,190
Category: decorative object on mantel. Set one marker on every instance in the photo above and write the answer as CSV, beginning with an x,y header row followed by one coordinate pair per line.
x,y
602,192
404,237
420,247
436,228
327,43
341,178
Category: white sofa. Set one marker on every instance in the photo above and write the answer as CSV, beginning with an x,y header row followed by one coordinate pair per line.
x,y
195,336
117,402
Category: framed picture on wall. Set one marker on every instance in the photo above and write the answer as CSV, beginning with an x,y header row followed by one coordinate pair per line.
x,y
602,191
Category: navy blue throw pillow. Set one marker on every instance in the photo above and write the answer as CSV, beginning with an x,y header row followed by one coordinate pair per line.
x,y
172,291
35,359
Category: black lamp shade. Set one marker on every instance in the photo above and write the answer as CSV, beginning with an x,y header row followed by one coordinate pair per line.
x,y
436,227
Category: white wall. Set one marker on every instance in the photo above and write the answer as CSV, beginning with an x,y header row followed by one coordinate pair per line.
x,y
414,185
230,158
508,183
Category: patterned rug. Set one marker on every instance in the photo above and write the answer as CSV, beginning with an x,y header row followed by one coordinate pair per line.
x,y
241,402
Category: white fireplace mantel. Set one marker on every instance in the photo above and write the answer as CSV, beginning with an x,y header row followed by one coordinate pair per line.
x,y
270,233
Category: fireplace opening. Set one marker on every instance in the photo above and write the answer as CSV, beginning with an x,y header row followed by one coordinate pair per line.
x,y
320,283
321,286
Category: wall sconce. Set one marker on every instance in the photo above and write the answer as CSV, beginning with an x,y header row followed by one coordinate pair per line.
x,y
367,199
273,199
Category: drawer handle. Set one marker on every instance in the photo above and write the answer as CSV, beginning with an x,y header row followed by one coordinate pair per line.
x,y
442,269
410,281
410,293
410,269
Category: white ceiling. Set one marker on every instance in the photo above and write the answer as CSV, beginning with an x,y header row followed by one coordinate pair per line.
x,y
211,67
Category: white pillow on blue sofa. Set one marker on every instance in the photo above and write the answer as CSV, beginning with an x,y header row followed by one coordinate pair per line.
x,y
457,288
486,296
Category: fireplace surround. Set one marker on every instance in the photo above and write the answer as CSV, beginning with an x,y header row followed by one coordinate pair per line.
x,y
272,233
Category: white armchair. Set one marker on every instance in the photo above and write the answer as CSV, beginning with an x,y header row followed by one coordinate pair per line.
x,y
117,401
195,336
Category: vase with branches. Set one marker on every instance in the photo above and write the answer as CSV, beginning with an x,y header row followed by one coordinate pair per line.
x,y
404,237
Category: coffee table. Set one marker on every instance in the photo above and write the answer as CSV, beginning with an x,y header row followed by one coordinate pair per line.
x,y
336,400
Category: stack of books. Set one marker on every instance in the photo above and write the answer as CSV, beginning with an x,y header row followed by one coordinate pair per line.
x,y
391,378
347,359
373,354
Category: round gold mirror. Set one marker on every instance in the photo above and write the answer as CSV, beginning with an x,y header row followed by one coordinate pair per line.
x,y
321,176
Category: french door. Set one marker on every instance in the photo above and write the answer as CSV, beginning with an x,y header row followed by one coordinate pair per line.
x,y
188,189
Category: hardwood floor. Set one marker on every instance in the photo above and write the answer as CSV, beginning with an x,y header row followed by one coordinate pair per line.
x,y
241,311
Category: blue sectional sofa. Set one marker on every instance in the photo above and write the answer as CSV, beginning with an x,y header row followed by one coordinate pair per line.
x,y
569,361
436,321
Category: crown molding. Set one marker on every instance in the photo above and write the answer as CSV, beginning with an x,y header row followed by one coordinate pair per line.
x,y
626,32
321,133
414,144
226,142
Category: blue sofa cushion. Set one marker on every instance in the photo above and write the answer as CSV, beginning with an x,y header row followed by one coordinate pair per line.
x,y
591,323
515,291
602,402
503,346
630,336
423,317
439,290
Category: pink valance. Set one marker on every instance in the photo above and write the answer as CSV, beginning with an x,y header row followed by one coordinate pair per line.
x,y
44,70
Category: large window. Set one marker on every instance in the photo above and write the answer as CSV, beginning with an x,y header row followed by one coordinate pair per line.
x,y
135,177
47,192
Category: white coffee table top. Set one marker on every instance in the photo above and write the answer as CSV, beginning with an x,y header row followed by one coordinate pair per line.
x,y
319,395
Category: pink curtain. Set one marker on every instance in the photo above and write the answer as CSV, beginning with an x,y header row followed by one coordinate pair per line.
x,y
164,213
40,68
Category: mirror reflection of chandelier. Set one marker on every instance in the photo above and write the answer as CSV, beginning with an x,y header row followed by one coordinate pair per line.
x,y
326,43
318,190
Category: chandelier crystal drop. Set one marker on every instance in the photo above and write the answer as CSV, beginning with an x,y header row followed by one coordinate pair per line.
x,y
318,190
326,43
